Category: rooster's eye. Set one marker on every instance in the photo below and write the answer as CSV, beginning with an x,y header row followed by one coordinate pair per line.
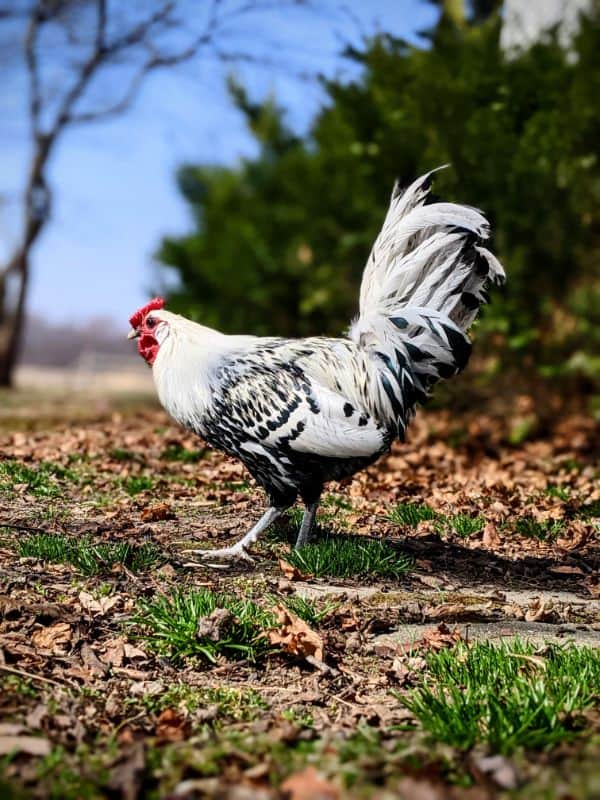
x,y
151,322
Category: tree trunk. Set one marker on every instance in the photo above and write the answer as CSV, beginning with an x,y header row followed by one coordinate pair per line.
x,y
38,199
11,319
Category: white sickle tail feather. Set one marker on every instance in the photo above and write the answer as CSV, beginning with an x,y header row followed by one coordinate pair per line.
x,y
422,288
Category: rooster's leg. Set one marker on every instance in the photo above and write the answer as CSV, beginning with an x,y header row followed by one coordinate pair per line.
x,y
308,519
238,550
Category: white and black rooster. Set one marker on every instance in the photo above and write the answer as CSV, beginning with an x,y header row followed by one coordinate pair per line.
x,y
301,412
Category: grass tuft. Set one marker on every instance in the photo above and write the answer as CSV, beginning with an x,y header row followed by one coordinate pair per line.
x,y
465,526
176,625
177,452
561,492
41,480
88,557
589,510
412,513
547,530
506,696
136,484
344,557
119,454
308,610
232,704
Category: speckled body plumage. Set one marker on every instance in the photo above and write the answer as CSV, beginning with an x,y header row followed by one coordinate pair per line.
x,y
299,413
265,400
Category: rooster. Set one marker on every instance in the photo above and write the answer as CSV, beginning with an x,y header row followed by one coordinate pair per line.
x,y
301,412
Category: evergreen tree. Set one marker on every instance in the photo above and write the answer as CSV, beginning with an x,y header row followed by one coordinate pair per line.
x,y
280,241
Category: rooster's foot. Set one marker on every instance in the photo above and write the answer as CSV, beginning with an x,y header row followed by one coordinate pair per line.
x,y
234,553
238,551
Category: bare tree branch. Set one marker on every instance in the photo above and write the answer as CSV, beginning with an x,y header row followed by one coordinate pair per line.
x,y
50,116
117,108
35,100
138,33
101,26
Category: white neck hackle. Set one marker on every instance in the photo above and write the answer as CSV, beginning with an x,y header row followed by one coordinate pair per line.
x,y
185,365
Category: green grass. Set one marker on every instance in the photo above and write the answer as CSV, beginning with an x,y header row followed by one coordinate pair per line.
x,y
86,556
119,454
572,465
65,780
18,685
337,501
547,530
299,717
561,492
589,510
235,486
136,484
176,452
506,696
330,521
344,557
310,611
238,705
412,513
41,480
170,625
293,518
465,526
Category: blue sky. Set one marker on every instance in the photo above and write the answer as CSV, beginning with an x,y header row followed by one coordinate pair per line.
x,y
115,194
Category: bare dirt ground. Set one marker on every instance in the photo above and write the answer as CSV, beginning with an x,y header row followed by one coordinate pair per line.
x,y
82,711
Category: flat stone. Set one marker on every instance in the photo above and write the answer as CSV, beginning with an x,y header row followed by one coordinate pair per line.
x,y
474,595
538,633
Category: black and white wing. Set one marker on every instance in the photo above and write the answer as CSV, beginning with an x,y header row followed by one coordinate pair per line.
x,y
284,424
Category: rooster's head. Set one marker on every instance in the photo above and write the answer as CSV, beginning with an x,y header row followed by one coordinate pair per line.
x,y
149,329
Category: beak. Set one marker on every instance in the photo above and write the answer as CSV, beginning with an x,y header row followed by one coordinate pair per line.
x,y
133,334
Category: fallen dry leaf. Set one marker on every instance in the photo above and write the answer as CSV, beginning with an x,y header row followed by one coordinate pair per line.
x,y
32,745
114,652
566,570
435,639
413,789
538,610
91,660
125,777
132,652
37,714
292,573
158,512
295,636
100,606
171,726
53,639
490,536
424,564
309,785
406,670
144,688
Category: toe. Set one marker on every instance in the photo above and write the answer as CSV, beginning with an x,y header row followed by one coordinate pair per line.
x,y
224,554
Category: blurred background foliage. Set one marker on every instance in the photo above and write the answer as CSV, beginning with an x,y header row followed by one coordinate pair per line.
x,y
280,241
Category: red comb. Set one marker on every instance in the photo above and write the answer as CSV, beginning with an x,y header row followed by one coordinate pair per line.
x,y
136,319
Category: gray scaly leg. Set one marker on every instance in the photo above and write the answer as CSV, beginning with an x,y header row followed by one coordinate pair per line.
x,y
238,550
307,523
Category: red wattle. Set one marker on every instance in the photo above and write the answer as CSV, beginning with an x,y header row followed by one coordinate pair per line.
x,y
148,348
